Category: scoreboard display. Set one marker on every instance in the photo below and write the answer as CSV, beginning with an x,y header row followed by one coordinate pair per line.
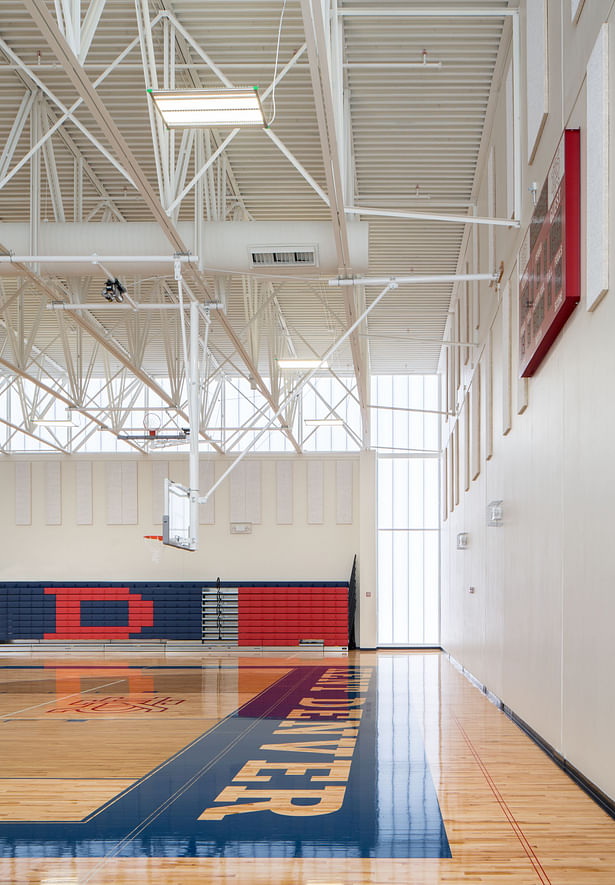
x,y
550,257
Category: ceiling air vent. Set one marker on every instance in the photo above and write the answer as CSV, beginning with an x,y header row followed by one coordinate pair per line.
x,y
284,256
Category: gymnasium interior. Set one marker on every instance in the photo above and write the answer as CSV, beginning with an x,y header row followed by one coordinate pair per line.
x,y
306,442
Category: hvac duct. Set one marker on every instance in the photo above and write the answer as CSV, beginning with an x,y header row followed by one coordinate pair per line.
x,y
270,247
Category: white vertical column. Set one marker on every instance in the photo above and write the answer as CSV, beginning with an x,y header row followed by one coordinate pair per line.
x,y
367,554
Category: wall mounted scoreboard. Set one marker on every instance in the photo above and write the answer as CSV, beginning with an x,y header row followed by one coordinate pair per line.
x,y
550,257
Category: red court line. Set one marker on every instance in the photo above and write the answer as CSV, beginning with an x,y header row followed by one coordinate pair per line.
x,y
544,879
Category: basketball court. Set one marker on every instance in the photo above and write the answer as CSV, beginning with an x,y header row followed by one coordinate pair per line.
x,y
306,442
381,767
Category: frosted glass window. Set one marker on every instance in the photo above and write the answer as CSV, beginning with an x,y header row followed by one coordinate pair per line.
x,y
406,432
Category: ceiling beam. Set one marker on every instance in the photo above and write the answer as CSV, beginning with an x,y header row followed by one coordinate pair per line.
x,y
15,370
114,349
40,14
321,84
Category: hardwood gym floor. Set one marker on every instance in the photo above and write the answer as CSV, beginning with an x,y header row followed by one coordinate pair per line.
x,y
376,767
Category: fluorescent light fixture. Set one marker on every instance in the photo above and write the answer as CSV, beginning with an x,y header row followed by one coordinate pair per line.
x,y
55,422
324,422
303,364
206,108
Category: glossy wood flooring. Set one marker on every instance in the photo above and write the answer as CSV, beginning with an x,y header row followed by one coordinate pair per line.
x,y
377,767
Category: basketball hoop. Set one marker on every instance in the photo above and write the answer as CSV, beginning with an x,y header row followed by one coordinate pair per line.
x,y
152,423
153,537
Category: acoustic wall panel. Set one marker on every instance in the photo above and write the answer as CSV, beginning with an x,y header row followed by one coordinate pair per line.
x,y
129,492
506,361
237,492
475,396
23,493
253,491
343,492
245,492
160,472
510,135
597,199
113,476
491,208
284,492
488,395
444,480
53,493
315,492
121,479
83,492
207,515
537,73
464,441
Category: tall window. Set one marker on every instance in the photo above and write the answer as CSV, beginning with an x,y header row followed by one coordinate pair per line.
x,y
406,433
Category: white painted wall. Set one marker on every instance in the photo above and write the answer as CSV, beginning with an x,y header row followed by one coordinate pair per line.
x,y
118,552
538,631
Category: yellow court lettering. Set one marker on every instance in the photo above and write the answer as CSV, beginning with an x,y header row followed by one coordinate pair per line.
x,y
325,801
319,728
344,714
338,770
343,747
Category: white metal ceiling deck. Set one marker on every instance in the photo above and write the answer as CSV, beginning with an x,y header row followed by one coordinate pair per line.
x,y
415,134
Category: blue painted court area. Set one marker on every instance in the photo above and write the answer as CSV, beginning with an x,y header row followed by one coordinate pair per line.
x,y
302,770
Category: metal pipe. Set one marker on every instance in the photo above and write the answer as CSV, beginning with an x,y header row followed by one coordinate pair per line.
x,y
430,12
63,305
194,415
97,259
428,216
428,278
392,64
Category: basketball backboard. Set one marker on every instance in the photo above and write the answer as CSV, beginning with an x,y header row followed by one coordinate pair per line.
x,y
176,530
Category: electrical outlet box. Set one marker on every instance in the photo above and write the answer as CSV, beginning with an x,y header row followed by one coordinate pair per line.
x,y
241,528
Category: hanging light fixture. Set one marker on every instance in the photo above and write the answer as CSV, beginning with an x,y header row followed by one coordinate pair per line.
x,y
207,108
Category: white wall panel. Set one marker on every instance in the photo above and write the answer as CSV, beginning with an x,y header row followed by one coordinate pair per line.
x,y
245,492
53,493
315,492
160,472
129,493
207,512
506,360
343,492
23,493
237,492
475,407
284,492
597,197
488,395
491,209
83,492
121,482
537,72
114,492
510,134
253,491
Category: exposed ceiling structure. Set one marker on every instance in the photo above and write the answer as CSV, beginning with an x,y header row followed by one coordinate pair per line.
x,y
376,109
